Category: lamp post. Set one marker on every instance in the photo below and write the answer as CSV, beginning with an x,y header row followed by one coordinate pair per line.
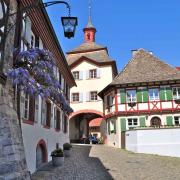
x,y
69,23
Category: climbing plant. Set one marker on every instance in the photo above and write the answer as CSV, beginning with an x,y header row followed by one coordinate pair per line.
x,y
33,73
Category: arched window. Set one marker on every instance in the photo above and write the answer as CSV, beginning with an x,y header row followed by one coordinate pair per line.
x,y
88,36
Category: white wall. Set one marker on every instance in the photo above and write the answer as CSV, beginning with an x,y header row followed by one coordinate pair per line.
x,y
114,139
154,141
32,134
87,85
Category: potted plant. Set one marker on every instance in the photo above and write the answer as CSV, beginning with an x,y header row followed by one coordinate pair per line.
x,y
57,157
67,149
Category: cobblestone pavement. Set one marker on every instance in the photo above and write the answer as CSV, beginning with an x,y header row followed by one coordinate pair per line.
x,y
104,163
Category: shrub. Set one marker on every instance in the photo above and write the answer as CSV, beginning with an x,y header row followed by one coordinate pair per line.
x,y
67,146
58,153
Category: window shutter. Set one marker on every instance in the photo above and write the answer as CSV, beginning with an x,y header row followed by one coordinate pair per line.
x,y
169,120
162,94
81,75
145,95
123,124
87,74
27,33
88,96
142,121
52,115
22,104
123,96
36,109
169,93
40,44
80,97
55,117
98,73
139,95
43,112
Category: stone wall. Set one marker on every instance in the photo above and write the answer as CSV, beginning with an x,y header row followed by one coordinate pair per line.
x,y
12,156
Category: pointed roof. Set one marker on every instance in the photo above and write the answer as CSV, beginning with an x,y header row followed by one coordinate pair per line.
x,y
145,67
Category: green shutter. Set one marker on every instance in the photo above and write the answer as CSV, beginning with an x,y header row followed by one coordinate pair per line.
x,y
122,96
169,120
123,124
145,95
169,93
142,121
162,94
139,95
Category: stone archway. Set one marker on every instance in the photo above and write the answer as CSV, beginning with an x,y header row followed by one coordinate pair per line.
x,y
79,123
41,153
156,121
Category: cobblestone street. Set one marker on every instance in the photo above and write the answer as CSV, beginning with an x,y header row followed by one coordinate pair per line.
x,y
103,163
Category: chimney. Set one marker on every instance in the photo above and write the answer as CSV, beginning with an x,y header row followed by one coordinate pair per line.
x,y
134,51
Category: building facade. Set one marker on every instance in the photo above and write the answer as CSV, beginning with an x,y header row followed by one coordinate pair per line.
x,y
93,69
44,124
145,94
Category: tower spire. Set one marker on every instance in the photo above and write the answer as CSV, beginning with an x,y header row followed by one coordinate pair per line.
x,y
89,30
90,13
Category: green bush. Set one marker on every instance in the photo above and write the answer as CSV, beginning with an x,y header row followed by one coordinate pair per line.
x,y
67,146
58,153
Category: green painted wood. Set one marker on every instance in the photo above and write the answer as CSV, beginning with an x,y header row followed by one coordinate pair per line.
x,y
123,124
169,120
145,95
139,95
123,96
169,93
142,121
162,94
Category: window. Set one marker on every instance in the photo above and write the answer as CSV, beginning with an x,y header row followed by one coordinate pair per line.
x,y
132,122
76,75
177,120
93,74
58,119
112,126
75,97
131,95
65,124
48,114
153,94
93,96
176,93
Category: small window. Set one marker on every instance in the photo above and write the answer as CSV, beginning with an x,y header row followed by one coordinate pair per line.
x,y
93,96
132,122
93,74
76,75
131,95
75,97
177,120
153,94
176,93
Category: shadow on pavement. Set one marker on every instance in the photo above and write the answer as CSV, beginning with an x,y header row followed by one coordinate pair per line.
x,y
77,167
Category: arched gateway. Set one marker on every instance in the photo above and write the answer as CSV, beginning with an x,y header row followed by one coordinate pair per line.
x,y
79,123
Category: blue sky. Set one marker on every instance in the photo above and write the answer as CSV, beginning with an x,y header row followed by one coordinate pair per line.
x,y
123,25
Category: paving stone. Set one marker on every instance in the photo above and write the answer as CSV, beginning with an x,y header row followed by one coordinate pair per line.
x,y
100,162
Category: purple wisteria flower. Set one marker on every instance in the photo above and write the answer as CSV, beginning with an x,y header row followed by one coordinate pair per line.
x,y
33,73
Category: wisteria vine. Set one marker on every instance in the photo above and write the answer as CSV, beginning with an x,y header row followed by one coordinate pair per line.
x,y
33,73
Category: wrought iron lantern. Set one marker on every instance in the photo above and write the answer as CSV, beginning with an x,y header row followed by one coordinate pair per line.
x,y
69,25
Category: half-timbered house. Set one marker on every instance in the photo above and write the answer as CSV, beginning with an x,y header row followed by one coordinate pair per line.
x,y
146,93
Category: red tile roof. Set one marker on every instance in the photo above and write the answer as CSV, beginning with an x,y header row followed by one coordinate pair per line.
x,y
95,122
178,68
